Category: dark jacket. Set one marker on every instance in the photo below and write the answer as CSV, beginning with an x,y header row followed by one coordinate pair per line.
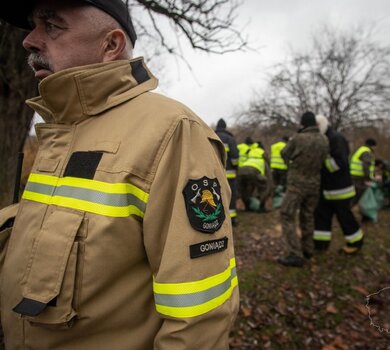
x,y
335,173
230,147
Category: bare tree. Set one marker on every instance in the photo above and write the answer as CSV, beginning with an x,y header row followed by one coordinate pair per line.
x,y
16,83
345,76
208,26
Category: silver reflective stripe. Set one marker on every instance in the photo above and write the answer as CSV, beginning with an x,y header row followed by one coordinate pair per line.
x,y
357,236
112,199
40,188
331,165
322,235
350,189
193,299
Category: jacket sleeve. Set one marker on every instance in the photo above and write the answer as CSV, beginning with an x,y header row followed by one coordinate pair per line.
x,y
195,282
366,158
338,157
287,151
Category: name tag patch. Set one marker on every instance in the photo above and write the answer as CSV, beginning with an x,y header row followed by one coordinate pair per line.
x,y
208,247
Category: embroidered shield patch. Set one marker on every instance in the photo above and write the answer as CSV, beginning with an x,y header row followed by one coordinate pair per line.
x,y
204,204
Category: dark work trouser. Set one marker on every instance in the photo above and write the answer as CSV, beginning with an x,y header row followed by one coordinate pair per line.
x,y
233,200
323,223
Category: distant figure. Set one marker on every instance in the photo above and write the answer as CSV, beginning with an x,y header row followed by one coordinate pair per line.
x,y
231,165
252,179
336,194
305,154
362,168
243,149
278,165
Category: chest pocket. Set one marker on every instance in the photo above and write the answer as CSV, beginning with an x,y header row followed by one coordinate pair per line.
x,y
48,285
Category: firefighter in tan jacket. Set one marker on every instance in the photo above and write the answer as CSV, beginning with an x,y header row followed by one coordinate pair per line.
x,y
121,240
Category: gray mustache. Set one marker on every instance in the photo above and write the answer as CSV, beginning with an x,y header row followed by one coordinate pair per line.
x,y
37,59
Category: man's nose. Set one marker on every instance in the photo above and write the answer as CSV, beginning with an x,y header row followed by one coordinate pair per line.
x,y
32,42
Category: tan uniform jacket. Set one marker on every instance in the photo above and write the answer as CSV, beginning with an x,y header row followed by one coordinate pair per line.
x,y
107,249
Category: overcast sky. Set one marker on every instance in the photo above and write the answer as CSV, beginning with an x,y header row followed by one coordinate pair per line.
x,y
223,83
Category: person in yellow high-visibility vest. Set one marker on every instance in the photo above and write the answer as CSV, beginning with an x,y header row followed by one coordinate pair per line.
x,y
278,165
243,149
362,168
251,176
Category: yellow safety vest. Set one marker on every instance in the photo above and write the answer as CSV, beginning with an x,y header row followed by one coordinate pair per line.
x,y
243,150
277,162
256,159
356,165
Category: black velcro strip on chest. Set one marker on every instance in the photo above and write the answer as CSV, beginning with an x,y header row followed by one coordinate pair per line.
x,y
208,247
83,164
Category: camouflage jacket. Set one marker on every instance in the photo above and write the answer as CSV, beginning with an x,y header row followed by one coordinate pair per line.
x,y
305,153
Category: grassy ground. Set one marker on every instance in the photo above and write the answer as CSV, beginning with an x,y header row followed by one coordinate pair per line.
x,y
320,306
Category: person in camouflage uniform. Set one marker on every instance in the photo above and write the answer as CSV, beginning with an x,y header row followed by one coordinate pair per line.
x,y
305,153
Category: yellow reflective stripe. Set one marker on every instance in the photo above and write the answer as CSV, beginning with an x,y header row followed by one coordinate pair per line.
x,y
118,188
343,193
322,235
191,299
193,287
354,237
232,213
331,165
231,174
109,199
193,311
37,197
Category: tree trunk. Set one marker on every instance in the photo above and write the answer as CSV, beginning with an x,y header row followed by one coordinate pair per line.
x,y
17,83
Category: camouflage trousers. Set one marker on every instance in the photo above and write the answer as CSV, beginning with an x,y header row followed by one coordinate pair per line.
x,y
360,187
304,202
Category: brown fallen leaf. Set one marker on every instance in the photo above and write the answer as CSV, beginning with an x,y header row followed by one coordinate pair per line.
x,y
331,309
361,290
362,309
246,311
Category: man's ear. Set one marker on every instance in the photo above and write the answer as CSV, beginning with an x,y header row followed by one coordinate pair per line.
x,y
114,45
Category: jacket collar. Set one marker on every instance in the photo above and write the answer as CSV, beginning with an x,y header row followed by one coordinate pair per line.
x,y
77,93
310,129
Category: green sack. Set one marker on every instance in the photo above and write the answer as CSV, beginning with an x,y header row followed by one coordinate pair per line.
x,y
379,194
254,204
368,204
277,198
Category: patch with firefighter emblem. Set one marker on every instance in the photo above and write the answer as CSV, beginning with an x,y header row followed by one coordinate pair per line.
x,y
204,204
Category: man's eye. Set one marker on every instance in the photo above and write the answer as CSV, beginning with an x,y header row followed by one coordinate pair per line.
x,y
50,26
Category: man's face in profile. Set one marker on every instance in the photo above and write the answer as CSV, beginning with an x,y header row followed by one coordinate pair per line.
x,y
63,36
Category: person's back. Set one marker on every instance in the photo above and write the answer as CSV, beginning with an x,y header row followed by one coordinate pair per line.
x,y
305,154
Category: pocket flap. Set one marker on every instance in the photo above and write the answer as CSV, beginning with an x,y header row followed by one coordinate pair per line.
x,y
48,260
48,165
7,214
106,147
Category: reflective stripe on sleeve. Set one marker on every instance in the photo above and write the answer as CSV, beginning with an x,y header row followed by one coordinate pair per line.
x,y
103,198
331,165
355,237
343,193
322,235
191,299
232,213
231,174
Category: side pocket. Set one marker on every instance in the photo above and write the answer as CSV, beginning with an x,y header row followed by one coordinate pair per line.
x,y
48,285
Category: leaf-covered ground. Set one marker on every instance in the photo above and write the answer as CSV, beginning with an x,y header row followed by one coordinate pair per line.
x,y
320,306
